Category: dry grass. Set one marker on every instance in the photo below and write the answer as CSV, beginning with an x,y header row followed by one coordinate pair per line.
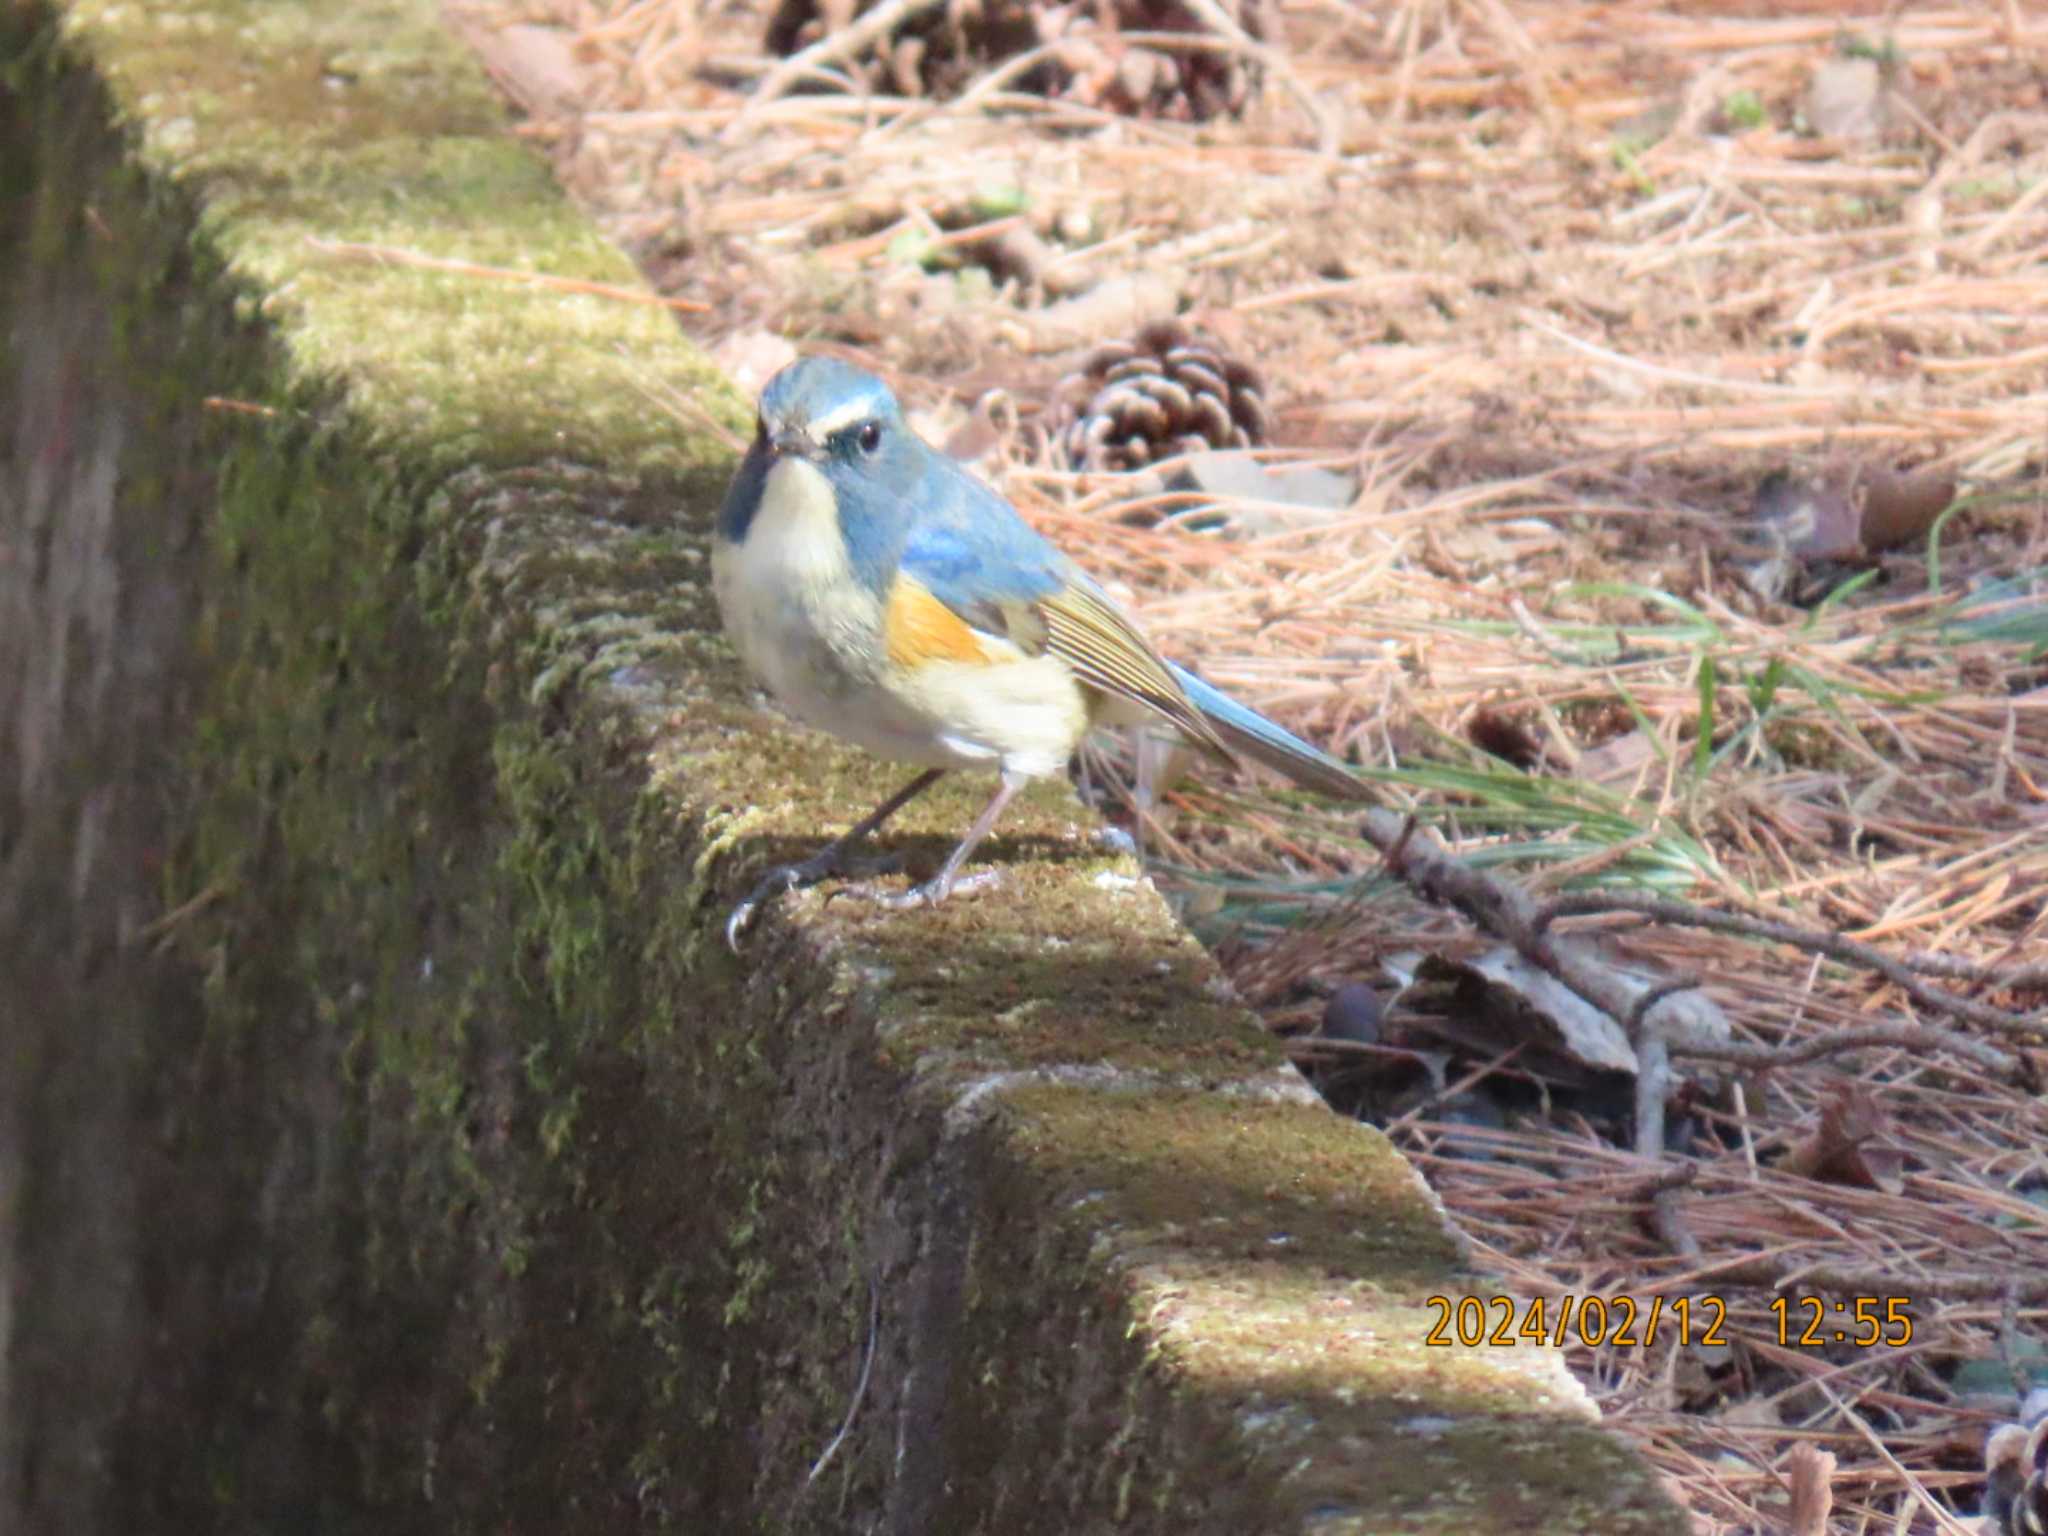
x,y
1559,348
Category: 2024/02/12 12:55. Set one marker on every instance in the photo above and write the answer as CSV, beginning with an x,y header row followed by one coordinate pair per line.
x,y
1624,1322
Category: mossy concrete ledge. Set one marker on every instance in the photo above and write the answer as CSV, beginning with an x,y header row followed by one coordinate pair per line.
x,y
387,1141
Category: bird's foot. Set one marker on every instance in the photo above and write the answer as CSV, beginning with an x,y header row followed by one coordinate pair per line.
x,y
831,860
930,893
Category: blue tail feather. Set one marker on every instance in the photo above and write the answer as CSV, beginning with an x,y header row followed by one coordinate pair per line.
x,y
1246,730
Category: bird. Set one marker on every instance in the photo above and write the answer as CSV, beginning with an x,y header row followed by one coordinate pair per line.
x,y
883,594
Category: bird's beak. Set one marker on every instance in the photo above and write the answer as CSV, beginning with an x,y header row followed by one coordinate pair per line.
x,y
791,442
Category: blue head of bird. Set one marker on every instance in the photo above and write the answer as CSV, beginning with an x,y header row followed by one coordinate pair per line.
x,y
843,423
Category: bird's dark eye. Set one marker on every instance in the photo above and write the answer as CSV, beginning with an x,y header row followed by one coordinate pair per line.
x,y
870,436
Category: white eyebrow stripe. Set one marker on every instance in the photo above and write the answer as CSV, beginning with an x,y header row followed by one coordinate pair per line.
x,y
860,408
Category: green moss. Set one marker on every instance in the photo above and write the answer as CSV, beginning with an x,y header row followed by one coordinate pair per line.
x,y
555,1203
1279,1269
322,138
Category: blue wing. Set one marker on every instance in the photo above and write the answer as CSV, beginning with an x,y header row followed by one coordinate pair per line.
x,y
972,551
970,547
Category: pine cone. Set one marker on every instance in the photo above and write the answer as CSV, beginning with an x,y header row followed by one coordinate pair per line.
x,y
2016,1461
1164,393
942,50
1103,70
937,52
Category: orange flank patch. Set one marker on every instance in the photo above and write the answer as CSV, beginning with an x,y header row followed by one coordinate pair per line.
x,y
920,629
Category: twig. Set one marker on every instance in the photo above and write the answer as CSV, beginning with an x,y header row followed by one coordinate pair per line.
x,y
178,915
1833,945
1945,1521
1465,1084
1905,1037
1675,375
1649,1014
683,408
1667,1215
860,1389
1955,968
394,256
1420,858
1014,68
1876,1280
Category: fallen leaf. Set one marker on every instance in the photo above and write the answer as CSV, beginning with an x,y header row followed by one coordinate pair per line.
x,y
1900,506
1850,1145
1499,999
1253,501
1845,99
1852,511
1814,522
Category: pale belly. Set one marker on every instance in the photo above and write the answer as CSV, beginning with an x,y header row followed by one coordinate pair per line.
x,y
811,633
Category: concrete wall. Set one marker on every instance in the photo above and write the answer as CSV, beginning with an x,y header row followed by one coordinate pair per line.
x,y
386,1140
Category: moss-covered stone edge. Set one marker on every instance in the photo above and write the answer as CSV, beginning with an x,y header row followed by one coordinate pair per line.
x,y
478,1103
336,152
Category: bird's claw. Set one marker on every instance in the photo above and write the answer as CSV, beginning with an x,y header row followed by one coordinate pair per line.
x,y
789,877
743,914
930,893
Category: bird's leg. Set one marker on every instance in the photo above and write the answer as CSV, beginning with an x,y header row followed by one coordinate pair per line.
x,y
947,880
827,861
1145,757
